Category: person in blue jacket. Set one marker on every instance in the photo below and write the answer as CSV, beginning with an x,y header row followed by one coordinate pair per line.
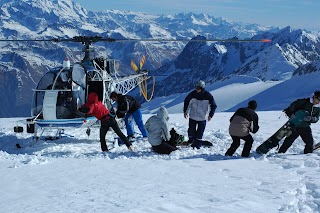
x,y
196,106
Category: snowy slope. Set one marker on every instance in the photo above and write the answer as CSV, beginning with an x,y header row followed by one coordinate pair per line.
x,y
236,91
226,94
72,175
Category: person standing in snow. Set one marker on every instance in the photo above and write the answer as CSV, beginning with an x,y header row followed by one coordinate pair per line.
x,y
158,132
96,108
129,108
311,105
242,122
198,102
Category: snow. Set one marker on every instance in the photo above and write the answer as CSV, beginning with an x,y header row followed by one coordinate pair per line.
x,y
227,94
72,174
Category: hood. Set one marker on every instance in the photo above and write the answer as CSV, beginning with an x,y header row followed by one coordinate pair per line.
x,y
311,101
163,113
93,97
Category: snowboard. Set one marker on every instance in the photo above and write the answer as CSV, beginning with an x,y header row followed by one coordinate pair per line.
x,y
316,146
283,132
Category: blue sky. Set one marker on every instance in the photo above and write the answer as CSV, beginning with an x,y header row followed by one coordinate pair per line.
x,y
302,14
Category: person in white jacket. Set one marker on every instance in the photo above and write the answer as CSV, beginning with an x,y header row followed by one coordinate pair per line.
x,y
158,132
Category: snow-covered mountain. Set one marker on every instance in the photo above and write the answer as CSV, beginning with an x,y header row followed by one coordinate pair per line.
x,y
23,64
288,51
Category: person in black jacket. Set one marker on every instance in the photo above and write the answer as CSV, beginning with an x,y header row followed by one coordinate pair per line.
x,y
311,105
242,122
129,109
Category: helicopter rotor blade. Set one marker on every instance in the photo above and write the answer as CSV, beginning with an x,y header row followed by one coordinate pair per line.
x,y
194,40
92,39
25,40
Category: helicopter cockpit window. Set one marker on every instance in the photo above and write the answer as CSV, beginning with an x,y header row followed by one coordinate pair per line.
x,y
63,81
79,75
46,81
79,84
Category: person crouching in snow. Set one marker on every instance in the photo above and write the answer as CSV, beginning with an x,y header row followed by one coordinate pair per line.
x,y
96,108
158,132
243,121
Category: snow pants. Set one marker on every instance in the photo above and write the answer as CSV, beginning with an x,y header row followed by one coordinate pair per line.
x,y
236,143
195,132
164,148
105,126
305,134
137,117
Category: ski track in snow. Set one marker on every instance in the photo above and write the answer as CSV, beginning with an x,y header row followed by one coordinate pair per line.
x,y
289,184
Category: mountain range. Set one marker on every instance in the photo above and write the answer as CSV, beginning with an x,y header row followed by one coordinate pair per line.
x,y
291,52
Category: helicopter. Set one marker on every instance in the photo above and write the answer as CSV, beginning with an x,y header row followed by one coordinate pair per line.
x,y
64,89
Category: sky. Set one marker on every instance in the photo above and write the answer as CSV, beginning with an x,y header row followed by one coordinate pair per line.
x,y
303,14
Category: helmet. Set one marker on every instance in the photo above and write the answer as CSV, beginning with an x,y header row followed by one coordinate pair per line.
x,y
252,104
317,93
200,84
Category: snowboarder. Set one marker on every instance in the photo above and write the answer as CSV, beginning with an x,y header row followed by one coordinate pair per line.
x,y
129,108
197,102
310,105
158,132
242,122
96,108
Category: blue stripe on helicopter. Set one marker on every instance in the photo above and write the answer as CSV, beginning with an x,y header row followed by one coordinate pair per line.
x,y
74,122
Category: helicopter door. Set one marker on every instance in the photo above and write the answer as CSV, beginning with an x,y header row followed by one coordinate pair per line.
x,y
49,105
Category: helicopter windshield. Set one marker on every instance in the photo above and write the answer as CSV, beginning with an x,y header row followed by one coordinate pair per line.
x,y
59,92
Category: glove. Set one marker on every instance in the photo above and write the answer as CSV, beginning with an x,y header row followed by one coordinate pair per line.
x,y
120,115
84,110
112,113
311,119
307,118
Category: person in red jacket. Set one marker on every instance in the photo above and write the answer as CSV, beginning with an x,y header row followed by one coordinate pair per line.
x,y
96,108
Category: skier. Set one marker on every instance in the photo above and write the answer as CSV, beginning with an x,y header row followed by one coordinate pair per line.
x,y
96,108
311,105
242,122
158,132
129,108
198,102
